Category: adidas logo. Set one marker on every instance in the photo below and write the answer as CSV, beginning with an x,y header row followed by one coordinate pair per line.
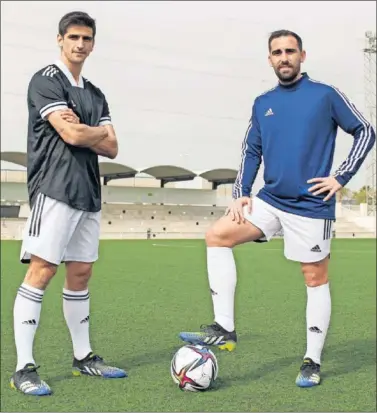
x,y
50,71
213,292
315,330
85,320
316,249
30,322
269,112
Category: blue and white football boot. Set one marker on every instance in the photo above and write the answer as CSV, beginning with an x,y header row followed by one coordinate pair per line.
x,y
211,335
309,375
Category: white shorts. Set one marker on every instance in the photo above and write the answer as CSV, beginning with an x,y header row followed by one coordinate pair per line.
x,y
57,233
305,239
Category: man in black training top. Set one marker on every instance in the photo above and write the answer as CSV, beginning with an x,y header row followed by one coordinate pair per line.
x,y
69,126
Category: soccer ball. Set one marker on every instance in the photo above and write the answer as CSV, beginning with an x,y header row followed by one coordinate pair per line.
x,y
194,368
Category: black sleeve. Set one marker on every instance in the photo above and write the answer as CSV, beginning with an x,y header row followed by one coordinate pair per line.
x,y
46,94
105,117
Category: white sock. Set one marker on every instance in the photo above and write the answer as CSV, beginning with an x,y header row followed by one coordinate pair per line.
x,y
318,312
76,314
26,313
222,278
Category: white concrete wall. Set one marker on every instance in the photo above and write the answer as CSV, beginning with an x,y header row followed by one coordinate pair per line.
x,y
365,222
159,195
14,191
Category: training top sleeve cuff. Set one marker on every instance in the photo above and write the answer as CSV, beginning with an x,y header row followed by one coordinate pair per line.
x,y
52,108
242,196
105,122
341,179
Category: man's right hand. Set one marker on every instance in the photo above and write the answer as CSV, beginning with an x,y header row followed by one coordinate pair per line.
x,y
235,210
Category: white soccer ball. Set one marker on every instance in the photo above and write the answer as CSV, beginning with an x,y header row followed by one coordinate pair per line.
x,y
194,368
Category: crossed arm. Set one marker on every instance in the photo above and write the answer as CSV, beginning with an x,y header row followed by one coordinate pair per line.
x,y
100,139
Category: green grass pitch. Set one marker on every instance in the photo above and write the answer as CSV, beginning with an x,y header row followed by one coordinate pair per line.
x,y
143,294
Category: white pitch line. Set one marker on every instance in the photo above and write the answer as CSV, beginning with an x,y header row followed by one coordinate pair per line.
x,y
332,252
266,249
175,246
282,249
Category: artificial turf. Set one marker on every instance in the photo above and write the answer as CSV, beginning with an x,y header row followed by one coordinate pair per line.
x,y
144,292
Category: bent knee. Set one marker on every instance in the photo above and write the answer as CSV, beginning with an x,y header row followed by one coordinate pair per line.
x,y
217,237
227,232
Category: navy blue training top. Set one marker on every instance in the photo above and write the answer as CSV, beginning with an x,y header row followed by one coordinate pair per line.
x,y
293,129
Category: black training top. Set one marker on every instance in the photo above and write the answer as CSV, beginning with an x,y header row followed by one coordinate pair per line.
x,y
61,171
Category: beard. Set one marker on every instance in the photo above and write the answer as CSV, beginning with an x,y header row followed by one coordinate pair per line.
x,y
287,77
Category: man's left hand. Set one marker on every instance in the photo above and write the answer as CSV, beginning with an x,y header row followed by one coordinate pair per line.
x,y
70,116
328,184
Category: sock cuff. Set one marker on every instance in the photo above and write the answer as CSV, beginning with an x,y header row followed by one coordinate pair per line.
x,y
318,288
30,293
75,295
214,252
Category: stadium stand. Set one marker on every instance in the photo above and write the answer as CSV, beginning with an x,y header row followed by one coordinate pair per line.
x,y
139,208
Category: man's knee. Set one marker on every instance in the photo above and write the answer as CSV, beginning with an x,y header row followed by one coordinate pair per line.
x,y
39,273
228,233
216,237
78,275
315,274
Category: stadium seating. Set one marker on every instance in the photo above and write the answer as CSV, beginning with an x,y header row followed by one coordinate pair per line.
x,y
140,221
163,221
11,229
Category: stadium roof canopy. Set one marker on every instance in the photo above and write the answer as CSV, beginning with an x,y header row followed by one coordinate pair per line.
x,y
168,173
164,173
112,170
220,176
19,158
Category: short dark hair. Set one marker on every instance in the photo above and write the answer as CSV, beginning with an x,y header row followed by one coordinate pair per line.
x,y
281,33
76,18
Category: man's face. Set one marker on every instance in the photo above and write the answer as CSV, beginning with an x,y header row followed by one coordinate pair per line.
x,y
285,57
77,43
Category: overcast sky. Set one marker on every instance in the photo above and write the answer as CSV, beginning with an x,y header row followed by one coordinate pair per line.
x,y
181,77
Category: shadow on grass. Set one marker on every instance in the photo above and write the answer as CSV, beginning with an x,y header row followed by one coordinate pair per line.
x,y
348,357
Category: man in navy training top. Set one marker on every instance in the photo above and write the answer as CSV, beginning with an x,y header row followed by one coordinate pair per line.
x,y
293,126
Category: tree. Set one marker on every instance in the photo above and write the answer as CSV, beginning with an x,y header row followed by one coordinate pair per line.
x,y
360,196
344,194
